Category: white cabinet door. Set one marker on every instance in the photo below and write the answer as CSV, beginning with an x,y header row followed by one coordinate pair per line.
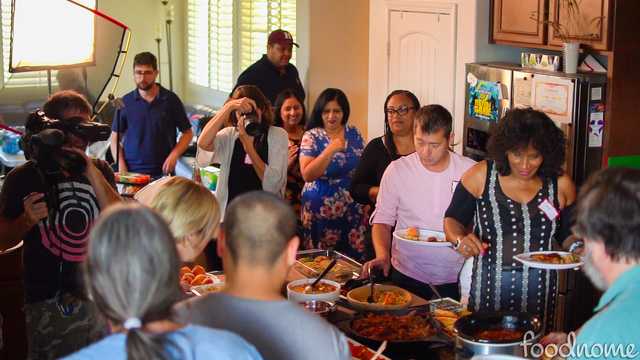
x,y
421,56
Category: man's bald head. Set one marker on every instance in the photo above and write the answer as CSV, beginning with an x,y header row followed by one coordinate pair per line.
x,y
258,227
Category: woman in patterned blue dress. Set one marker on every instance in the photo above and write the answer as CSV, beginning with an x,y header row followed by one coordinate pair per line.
x,y
329,153
515,202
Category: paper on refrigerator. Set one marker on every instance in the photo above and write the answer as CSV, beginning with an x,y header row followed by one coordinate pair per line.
x,y
554,96
522,88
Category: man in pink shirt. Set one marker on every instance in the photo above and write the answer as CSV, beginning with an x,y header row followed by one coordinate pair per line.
x,y
415,192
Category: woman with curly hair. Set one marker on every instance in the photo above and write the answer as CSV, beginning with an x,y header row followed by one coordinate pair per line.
x,y
511,204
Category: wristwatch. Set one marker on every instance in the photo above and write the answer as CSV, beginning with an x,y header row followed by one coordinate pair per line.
x,y
575,245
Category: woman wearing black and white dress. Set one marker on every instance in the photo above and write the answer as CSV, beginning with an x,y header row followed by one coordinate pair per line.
x,y
515,201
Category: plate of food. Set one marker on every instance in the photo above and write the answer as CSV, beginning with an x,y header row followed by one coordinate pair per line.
x,y
422,237
550,260
310,263
385,297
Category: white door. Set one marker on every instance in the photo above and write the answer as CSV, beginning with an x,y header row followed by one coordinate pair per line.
x,y
422,56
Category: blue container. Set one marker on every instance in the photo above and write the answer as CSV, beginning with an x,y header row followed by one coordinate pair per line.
x,y
10,144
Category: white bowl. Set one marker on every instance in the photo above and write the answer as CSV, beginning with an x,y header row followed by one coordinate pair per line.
x,y
300,297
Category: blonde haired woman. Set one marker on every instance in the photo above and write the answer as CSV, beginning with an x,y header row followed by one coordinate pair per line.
x,y
190,209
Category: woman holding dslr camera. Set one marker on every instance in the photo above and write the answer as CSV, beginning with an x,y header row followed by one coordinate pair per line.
x,y
252,153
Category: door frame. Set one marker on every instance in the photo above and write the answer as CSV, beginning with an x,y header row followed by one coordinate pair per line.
x,y
379,52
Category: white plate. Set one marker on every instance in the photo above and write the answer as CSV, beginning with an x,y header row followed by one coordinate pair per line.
x,y
424,234
525,258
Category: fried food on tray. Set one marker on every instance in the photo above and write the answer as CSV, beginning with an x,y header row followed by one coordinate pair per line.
x,y
448,318
341,272
196,276
382,327
555,258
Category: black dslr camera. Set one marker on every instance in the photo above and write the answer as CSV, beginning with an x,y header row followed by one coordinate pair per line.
x,y
44,138
252,123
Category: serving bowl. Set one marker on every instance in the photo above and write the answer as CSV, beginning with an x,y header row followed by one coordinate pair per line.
x,y
358,298
299,296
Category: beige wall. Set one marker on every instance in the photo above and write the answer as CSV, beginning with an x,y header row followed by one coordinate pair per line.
x,y
142,16
339,53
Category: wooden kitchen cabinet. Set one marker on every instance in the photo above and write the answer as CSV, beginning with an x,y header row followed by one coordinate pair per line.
x,y
512,21
596,34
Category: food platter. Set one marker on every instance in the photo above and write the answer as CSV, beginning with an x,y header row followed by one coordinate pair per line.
x,y
399,326
425,237
310,264
550,260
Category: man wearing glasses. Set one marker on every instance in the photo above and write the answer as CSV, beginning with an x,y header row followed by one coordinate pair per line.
x,y
415,192
147,124
273,73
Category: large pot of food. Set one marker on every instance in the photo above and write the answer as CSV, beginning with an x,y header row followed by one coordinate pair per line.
x,y
496,333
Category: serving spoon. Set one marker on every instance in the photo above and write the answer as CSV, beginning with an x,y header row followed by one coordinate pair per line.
x,y
370,298
322,274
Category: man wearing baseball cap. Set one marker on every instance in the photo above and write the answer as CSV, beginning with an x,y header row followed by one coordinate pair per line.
x,y
273,73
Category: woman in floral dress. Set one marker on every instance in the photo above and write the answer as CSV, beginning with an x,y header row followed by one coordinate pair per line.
x,y
329,153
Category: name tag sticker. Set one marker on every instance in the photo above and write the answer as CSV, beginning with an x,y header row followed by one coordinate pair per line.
x,y
247,160
548,209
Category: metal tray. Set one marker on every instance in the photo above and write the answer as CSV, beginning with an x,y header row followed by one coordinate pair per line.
x,y
345,269
446,304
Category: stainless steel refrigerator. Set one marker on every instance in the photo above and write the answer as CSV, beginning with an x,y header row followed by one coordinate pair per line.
x,y
576,104
574,101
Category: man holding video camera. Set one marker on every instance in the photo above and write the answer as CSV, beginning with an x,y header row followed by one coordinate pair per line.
x,y
51,203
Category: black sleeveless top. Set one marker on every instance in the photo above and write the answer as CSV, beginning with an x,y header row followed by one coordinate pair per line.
x,y
498,281
242,175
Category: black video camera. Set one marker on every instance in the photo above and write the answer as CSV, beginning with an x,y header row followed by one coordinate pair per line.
x,y
44,139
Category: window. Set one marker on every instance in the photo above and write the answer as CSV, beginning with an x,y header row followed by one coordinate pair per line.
x,y
226,36
23,79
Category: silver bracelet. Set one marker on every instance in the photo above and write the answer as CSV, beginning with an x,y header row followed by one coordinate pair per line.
x,y
458,242
575,245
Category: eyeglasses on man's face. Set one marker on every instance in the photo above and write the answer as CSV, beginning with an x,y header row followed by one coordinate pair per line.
x,y
400,110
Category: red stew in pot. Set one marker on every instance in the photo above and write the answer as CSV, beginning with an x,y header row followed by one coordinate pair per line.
x,y
500,335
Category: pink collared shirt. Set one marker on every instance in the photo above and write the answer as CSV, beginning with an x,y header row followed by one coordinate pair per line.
x,y
411,195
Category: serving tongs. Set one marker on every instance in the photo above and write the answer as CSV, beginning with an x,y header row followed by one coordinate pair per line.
x,y
322,274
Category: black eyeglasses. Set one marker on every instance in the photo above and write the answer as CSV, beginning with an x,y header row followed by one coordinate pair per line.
x,y
402,110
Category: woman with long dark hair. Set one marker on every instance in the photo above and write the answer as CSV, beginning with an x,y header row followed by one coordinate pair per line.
x,y
252,153
131,273
515,202
399,111
291,115
329,154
